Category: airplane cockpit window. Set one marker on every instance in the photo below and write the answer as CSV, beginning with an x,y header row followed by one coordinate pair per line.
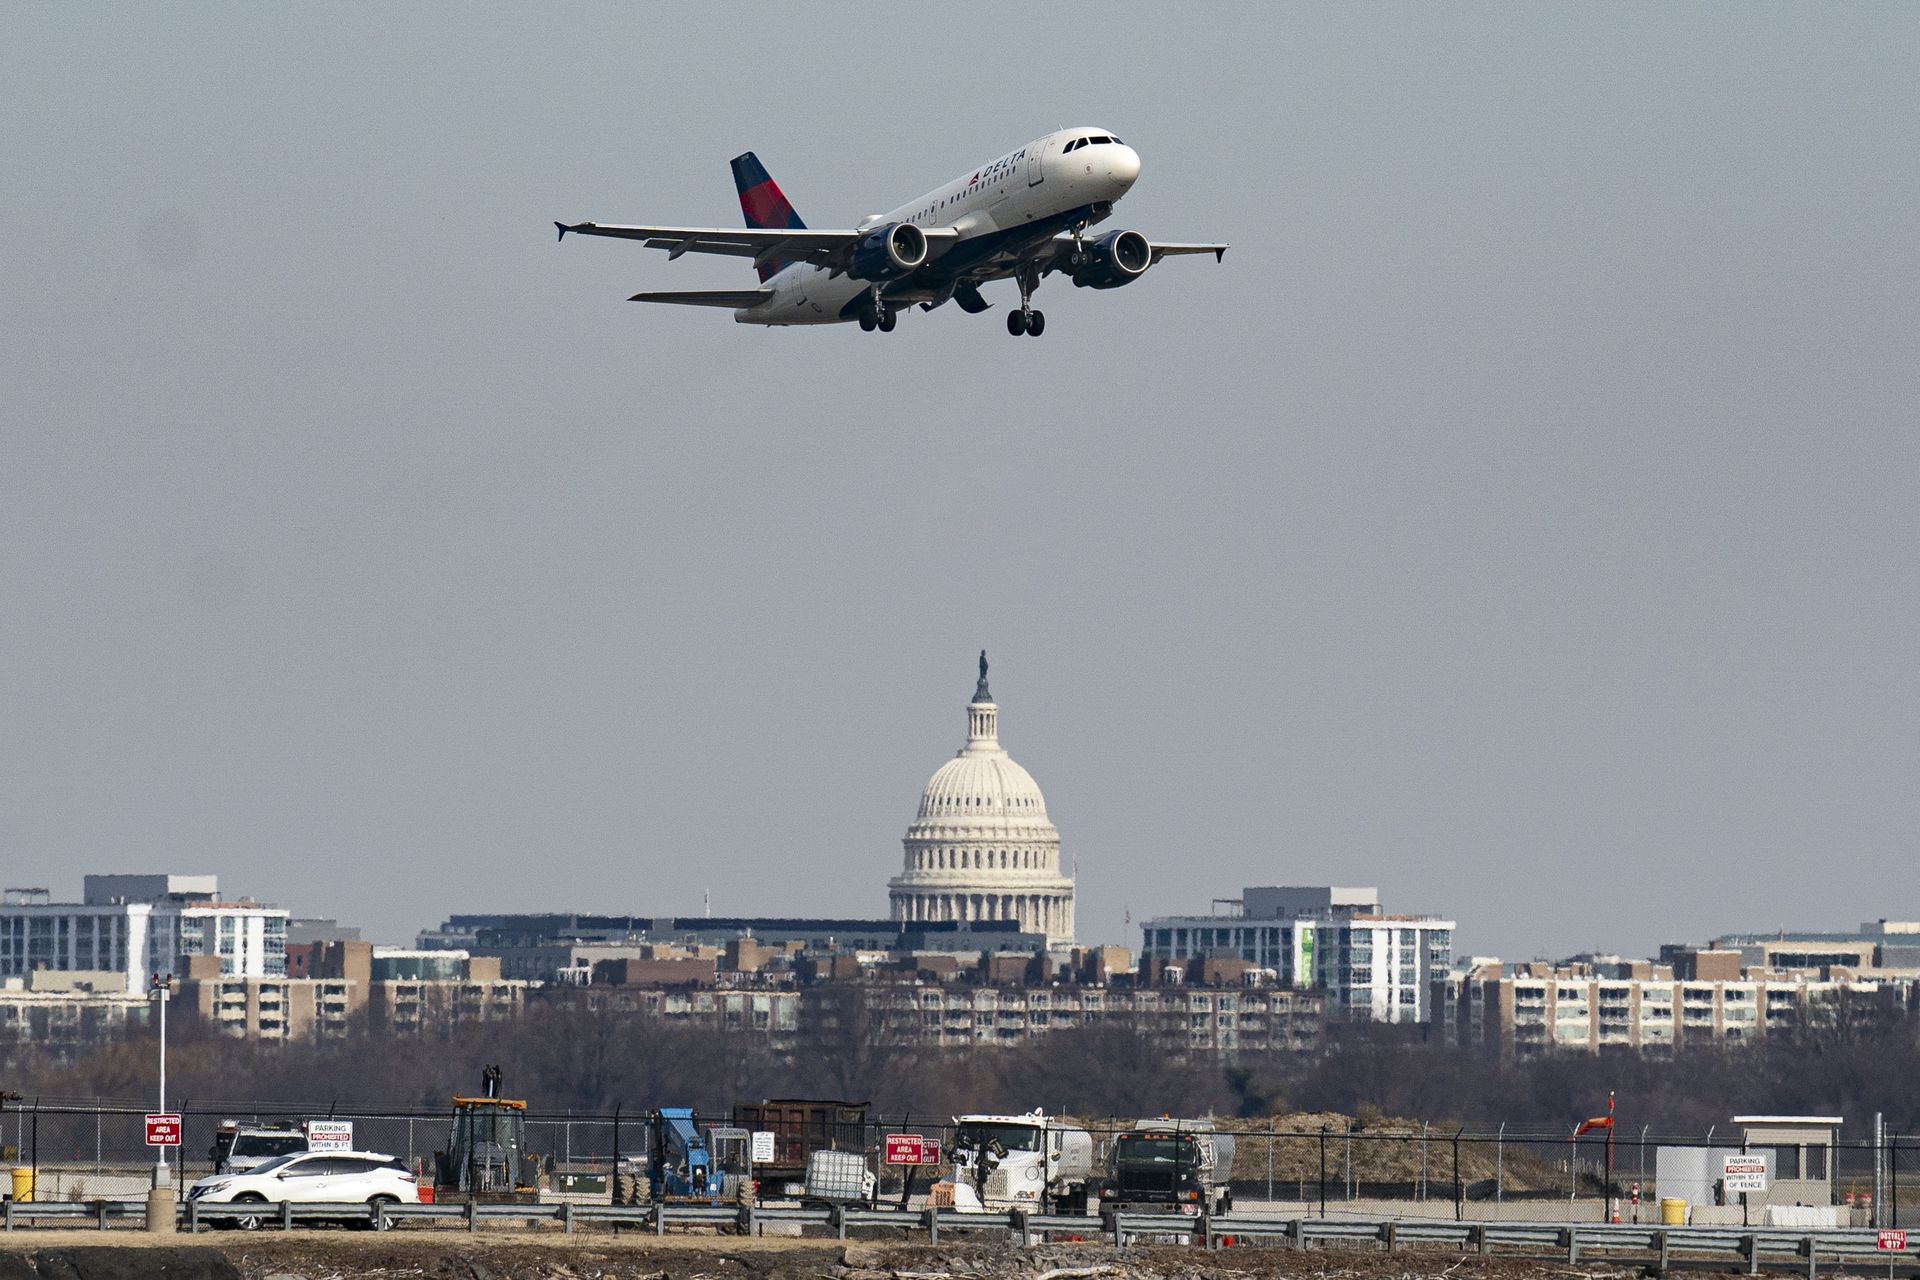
x,y
1097,138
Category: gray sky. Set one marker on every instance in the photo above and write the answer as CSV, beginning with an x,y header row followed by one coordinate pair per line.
x,y
1522,519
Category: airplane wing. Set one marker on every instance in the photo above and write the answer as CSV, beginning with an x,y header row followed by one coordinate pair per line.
x,y
1057,254
829,249
1167,250
734,298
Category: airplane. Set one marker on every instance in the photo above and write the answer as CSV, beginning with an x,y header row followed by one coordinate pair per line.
x,y
1022,216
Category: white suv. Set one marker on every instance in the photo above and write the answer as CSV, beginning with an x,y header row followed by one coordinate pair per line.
x,y
314,1177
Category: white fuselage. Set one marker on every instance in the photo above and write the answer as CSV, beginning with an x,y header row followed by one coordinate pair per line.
x,y
1029,185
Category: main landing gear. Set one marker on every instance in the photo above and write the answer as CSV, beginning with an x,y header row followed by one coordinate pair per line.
x,y
876,314
1026,320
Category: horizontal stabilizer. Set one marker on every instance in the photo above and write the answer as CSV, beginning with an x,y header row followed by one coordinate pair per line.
x,y
734,298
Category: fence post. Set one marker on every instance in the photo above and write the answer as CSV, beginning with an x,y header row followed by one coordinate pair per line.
x,y
1573,1246
1663,1252
1269,1161
1390,1230
1480,1239
473,1219
1426,1147
1893,1182
286,1215
1323,1171
1499,1157
659,1218
1750,1245
1459,1186
566,1216
100,1214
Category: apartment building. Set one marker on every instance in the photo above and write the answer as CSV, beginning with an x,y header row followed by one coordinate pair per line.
x,y
1372,966
1542,1008
139,926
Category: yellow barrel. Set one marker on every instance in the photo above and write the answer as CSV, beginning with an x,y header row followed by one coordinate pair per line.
x,y
1673,1213
22,1184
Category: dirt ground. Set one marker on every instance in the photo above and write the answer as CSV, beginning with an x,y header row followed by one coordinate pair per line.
x,y
499,1255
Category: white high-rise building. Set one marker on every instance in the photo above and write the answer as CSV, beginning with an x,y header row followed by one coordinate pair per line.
x,y
139,926
981,847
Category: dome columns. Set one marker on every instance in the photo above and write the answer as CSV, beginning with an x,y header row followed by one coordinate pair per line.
x,y
981,848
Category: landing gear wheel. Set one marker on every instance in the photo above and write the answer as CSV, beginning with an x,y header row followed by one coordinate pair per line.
x,y
887,319
1016,323
868,321
1036,323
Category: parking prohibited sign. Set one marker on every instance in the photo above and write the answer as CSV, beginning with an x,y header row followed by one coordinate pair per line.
x,y
163,1128
329,1135
911,1148
1744,1172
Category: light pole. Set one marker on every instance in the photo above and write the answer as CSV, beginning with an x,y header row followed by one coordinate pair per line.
x,y
162,988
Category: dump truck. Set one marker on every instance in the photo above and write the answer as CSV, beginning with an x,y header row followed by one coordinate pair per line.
x,y
1028,1162
801,1127
1170,1166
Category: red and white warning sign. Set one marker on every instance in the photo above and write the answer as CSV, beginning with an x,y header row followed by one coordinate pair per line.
x,y
911,1148
1893,1241
163,1128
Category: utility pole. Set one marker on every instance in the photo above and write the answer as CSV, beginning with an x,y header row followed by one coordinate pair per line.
x,y
162,989
160,1203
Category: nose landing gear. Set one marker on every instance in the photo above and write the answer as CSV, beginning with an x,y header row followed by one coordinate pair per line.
x,y
1027,320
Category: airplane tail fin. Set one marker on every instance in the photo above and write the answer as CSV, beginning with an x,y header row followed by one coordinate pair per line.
x,y
762,203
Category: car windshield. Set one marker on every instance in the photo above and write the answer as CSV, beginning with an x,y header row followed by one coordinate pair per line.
x,y
272,1165
1014,1137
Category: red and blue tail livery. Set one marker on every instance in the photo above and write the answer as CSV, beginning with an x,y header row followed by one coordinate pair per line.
x,y
763,204
1020,218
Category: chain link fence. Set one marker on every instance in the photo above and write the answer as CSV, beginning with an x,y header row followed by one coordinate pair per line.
x,y
82,1150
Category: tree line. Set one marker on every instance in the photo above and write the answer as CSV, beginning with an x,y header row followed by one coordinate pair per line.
x,y
567,1057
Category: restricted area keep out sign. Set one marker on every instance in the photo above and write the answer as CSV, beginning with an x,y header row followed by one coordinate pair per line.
x,y
911,1148
163,1128
1893,1241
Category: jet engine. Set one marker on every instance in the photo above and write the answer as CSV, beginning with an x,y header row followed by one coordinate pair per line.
x,y
1117,258
887,252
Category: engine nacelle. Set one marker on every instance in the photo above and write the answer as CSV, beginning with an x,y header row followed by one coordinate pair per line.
x,y
1117,258
887,252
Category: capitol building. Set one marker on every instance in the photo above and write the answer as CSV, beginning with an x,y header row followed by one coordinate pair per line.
x,y
981,847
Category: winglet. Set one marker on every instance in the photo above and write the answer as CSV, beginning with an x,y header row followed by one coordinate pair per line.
x,y
561,227
1220,254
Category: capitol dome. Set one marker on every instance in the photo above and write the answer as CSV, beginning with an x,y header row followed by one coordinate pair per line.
x,y
981,847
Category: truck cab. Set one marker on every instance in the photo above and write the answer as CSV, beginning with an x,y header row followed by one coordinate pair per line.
x,y
241,1148
1027,1162
1175,1166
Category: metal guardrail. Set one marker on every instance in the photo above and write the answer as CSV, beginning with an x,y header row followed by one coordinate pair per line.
x,y
1758,1248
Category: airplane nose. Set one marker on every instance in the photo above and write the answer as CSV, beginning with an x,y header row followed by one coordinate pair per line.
x,y
1124,168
